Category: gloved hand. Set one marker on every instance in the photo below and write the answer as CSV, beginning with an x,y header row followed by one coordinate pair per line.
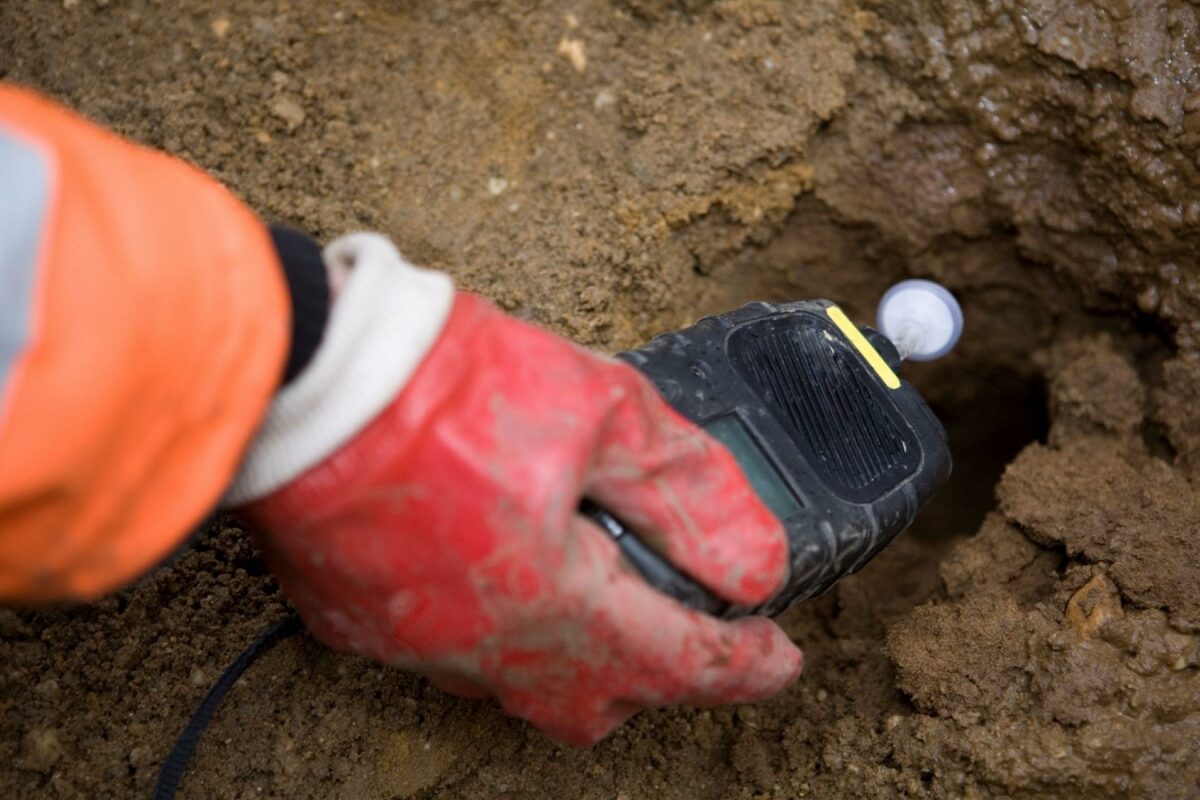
x,y
444,536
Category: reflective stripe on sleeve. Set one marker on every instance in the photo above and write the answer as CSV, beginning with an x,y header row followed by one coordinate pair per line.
x,y
24,189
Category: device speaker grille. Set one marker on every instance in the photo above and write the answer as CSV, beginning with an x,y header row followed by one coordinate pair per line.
x,y
815,380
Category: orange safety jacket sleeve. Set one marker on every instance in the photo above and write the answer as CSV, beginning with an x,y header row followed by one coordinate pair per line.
x,y
145,323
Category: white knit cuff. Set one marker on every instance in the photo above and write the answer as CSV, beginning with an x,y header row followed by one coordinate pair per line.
x,y
384,320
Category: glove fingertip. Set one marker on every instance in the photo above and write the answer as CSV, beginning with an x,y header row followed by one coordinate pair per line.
x,y
766,663
786,662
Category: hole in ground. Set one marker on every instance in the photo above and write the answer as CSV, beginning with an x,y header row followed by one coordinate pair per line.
x,y
987,429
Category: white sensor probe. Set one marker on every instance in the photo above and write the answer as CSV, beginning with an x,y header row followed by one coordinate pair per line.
x,y
921,318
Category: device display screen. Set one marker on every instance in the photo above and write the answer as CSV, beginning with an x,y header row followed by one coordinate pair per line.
x,y
766,480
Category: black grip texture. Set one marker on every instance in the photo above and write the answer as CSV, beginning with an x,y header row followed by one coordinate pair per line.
x,y
812,381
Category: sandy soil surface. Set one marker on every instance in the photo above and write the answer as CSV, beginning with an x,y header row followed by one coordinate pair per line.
x,y
614,169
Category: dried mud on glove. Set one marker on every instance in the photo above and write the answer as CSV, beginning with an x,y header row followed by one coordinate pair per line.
x,y
612,170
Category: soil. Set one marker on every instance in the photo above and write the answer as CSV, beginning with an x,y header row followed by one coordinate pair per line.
x,y
612,170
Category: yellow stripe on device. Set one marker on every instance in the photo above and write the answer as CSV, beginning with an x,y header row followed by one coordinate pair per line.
x,y
851,332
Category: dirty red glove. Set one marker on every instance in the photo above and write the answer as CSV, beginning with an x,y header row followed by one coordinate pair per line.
x,y
444,536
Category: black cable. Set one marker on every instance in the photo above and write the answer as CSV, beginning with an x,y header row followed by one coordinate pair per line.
x,y
172,769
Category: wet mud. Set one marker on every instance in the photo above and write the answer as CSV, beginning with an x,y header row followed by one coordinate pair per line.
x,y
615,169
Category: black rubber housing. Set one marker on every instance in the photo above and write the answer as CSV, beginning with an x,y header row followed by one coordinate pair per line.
x,y
858,458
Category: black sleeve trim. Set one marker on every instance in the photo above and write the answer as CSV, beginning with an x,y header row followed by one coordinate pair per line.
x,y
308,287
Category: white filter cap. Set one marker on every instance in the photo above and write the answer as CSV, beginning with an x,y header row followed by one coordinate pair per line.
x,y
921,318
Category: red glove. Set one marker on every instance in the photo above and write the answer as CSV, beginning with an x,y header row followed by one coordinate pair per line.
x,y
444,536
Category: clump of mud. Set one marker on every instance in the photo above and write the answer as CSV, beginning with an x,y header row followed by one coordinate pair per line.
x,y
614,169
1062,656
